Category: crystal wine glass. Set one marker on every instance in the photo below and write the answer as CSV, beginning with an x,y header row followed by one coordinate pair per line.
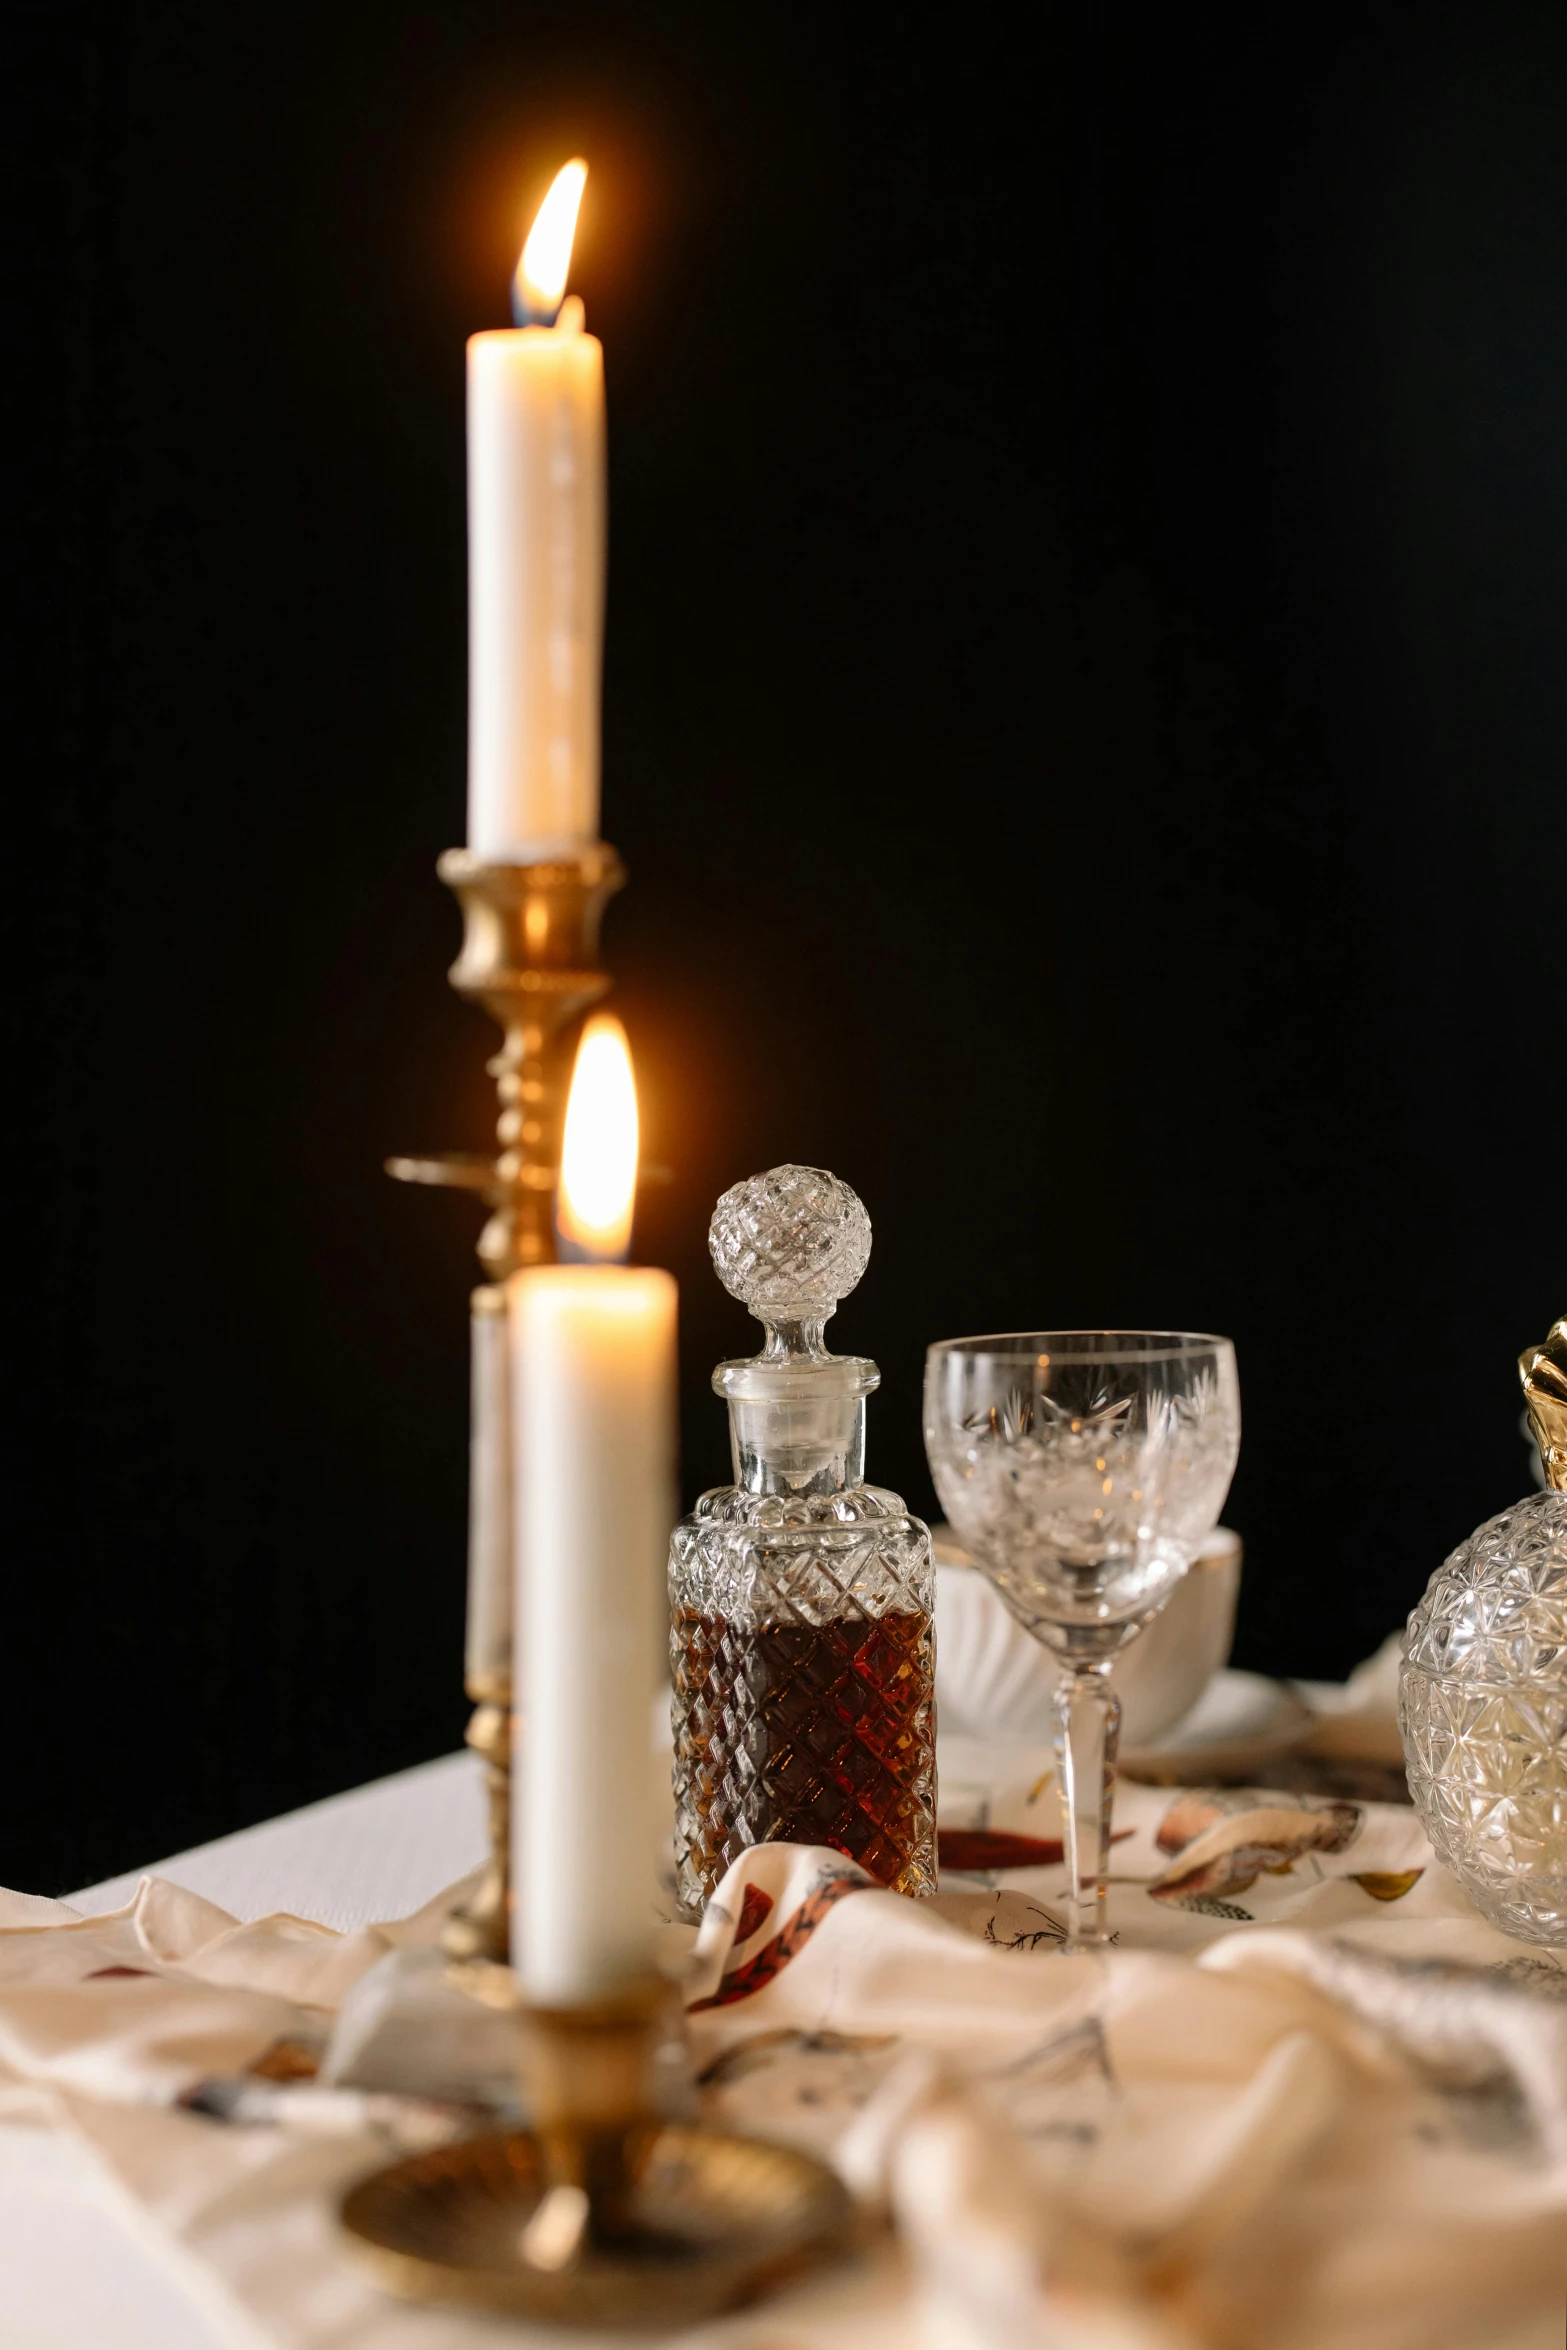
x,y
1081,1470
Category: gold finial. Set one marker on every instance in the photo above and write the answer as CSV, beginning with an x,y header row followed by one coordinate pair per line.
x,y
1543,1370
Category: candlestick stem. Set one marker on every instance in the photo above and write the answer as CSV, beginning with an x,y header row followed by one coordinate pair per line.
x,y
588,2072
530,957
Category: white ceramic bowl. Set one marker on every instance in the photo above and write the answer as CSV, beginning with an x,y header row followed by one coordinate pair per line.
x,y
994,1681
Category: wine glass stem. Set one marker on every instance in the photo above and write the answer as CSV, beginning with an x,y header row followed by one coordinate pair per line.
x,y
1087,1724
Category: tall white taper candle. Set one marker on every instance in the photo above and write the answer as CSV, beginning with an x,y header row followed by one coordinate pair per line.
x,y
535,589
593,1374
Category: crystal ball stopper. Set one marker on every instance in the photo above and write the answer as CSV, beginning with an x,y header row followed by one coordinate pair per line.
x,y
789,1244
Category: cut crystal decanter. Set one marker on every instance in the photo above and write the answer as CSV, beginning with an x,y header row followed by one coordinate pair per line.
x,y
1483,1690
802,1643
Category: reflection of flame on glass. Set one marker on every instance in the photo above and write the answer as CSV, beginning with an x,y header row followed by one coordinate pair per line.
x,y
540,281
598,1159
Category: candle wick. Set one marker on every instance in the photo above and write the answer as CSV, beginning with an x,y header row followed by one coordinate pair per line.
x,y
526,313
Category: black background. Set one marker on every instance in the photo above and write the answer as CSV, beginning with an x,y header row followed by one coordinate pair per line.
x,y
1085,714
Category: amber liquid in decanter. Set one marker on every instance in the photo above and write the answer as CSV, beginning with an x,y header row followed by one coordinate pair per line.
x,y
813,1734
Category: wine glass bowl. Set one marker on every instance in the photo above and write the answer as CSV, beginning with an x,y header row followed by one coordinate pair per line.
x,y
1081,1470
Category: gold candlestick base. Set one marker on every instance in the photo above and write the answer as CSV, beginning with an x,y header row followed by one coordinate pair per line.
x,y
530,957
603,2214
726,2219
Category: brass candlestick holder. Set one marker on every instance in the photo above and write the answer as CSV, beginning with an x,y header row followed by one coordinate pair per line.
x,y
530,957
606,2213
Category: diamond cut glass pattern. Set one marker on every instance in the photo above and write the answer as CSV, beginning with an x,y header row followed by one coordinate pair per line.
x,y
803,1659
1483,1710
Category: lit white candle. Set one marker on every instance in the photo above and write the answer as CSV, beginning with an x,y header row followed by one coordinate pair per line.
x,y
536,559
593,1370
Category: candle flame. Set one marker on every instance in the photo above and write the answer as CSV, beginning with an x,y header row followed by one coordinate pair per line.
x,y
540,282
598,1159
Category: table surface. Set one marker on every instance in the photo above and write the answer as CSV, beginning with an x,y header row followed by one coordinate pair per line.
x,y
378,1852
79,2266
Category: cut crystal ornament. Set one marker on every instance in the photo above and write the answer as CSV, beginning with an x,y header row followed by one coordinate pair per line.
x,y
1483,1694
802,1644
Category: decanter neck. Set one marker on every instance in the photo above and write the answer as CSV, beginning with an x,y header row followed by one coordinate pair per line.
x,y
797,1421
794,1338
789,1448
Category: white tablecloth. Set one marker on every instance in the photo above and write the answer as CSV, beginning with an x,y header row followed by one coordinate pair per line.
x,y
380,1851
1270,1949
77,2269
